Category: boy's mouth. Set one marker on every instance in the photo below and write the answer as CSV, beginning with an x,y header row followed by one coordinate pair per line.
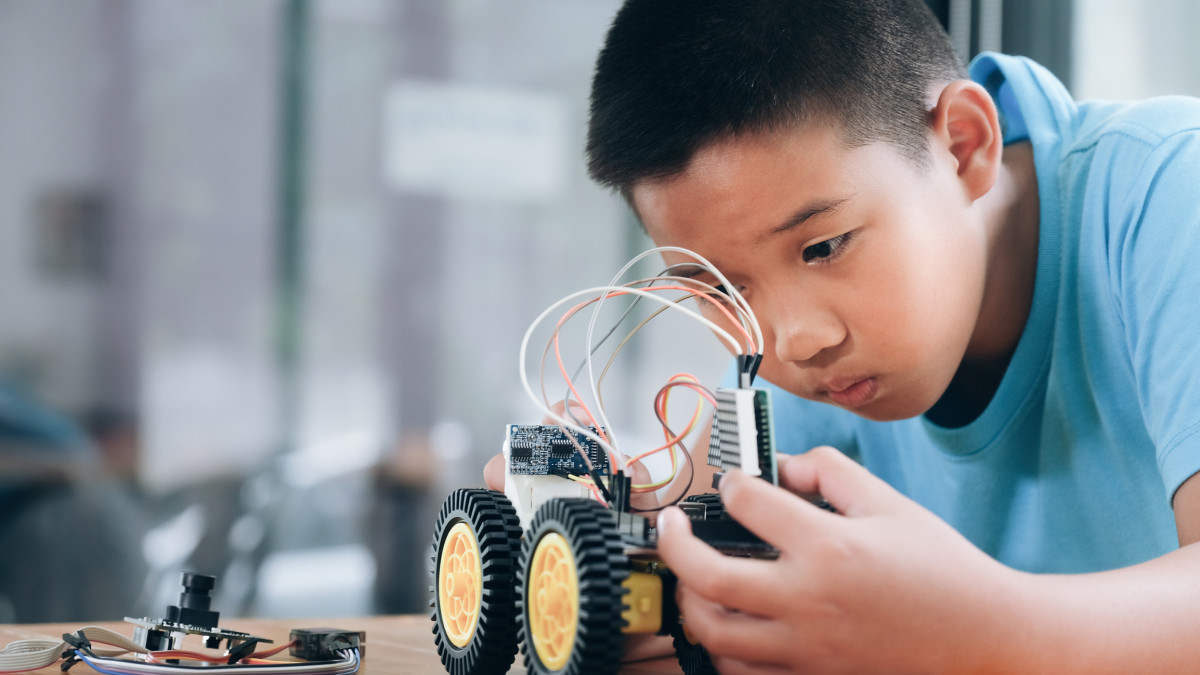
x,y
854,394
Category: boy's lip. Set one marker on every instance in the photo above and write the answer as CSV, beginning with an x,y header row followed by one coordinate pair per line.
x,y
852,392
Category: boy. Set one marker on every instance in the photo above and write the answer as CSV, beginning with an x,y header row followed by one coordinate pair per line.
x,y
977,288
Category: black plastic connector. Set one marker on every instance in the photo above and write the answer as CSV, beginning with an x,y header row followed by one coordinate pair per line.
x,y
77,642
748,368
324,644
622,488
194,602
242,650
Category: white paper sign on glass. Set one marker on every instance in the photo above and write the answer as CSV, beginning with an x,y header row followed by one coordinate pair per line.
x,y
470,141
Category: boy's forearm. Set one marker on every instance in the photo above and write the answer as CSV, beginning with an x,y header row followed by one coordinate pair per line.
x,y
1136,619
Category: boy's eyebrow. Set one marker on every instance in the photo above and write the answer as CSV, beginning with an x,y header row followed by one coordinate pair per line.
x,y
815,208
687,270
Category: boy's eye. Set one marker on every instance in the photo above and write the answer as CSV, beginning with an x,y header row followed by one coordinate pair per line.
x,y
826,250
719,294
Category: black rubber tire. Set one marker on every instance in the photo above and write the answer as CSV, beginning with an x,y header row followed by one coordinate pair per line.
x,y
693,658
493,521
601,566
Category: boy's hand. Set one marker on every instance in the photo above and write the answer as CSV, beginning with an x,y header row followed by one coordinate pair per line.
x,y
881,586
493,471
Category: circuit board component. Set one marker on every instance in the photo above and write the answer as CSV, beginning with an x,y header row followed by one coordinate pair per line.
x,y
741,436
545,450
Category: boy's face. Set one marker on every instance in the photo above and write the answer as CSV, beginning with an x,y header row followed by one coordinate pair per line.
x,y
866,271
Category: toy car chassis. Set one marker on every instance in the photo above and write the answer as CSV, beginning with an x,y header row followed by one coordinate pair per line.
x,y
545,567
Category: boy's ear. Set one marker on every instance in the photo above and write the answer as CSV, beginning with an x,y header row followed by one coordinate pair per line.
x,y
965,122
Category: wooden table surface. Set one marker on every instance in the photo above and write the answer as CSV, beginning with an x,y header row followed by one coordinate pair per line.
x,y
394,644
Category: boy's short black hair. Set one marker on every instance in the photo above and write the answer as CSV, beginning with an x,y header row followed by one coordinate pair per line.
x,y
676,75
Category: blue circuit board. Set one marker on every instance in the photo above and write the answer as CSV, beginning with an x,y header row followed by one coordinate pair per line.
x,y
546,450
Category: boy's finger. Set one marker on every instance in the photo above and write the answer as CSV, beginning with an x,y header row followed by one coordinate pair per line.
x,y
493,473
738,583
642,500
777,516
577,412
731,666
732,634
642,646
841,481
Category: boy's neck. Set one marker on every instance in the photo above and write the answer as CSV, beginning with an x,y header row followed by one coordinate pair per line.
x,y
1011,213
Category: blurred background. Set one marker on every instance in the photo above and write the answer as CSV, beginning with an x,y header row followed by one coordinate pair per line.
x,y
265,266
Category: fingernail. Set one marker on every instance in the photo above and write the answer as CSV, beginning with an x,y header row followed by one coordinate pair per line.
x,y
726,477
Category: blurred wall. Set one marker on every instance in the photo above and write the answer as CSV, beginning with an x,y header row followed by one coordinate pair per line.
x,y
57,105
442,203
1132,49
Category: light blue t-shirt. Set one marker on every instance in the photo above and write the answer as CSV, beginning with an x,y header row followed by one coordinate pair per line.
x,y
1096,423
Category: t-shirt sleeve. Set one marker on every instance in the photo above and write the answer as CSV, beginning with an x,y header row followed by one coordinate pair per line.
x,y
1155,257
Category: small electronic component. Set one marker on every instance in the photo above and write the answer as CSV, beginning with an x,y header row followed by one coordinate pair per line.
x,y
323,644
156,649
541,457
741,435
192,616
544,450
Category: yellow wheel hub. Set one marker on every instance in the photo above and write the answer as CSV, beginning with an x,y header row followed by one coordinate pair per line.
x,y
553,600
460,586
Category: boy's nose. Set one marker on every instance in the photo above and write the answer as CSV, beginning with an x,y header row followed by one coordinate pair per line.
x,y
799,339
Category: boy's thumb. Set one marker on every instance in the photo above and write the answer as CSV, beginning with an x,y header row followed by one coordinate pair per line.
x,y
824,472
